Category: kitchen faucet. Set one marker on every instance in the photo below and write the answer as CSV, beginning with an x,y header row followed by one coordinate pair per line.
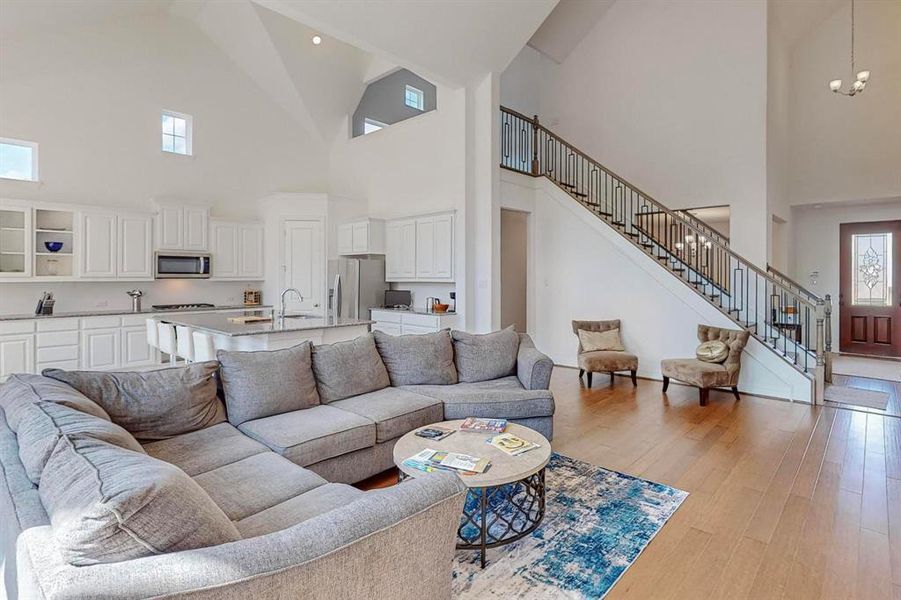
x,y
291,289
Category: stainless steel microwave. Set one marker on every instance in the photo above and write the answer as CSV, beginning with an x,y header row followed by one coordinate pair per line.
x,y
181,265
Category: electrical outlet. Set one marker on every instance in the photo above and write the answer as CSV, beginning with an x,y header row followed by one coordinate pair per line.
x,y
101,304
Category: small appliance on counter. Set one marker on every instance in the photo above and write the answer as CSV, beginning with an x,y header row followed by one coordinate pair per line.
x,y
135,299
45,304
253,297
434,305
398,299
453,302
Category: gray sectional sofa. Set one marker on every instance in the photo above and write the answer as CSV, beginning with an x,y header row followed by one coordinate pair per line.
x,y
229,479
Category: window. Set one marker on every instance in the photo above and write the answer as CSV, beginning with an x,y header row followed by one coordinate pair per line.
x,y
370,125
18,160
176,132
413,98
871,263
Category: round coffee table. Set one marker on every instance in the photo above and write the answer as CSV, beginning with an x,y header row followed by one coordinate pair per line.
x,y
506,502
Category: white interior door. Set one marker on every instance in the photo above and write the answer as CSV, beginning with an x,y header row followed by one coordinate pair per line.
x,y
303,268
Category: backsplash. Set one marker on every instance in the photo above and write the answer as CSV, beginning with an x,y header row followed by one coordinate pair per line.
x,y
16,298
421,291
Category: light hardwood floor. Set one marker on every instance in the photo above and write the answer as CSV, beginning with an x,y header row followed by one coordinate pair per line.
x,y
787,500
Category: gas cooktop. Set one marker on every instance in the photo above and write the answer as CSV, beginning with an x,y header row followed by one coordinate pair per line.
x,y
183,306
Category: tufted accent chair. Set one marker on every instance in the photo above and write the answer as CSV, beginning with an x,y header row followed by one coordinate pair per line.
x,y
604,361
709,375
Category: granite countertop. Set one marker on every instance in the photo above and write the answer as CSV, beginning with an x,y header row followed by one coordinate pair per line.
x,y
417,311
218,323
122,311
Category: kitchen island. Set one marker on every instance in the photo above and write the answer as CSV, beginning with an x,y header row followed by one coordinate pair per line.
x,y
273,334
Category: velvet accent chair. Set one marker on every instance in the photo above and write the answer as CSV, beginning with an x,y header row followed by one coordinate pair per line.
x,y
708,375
604,361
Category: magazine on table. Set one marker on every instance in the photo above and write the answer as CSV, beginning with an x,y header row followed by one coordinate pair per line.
x,y
484,425
433,432
511,444
429,460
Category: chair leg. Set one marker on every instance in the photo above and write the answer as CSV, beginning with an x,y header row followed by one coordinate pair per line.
x,y
581,372
665,382
735,392
634,377
703,394
612,380
589,378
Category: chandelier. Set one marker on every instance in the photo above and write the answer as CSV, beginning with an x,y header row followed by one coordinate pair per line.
x,y
862,76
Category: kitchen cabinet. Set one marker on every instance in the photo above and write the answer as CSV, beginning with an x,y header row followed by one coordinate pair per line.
x,y
182,227
136,351
135,246
366,236
16,348
420,248
15,241
100,349
115,245
398,322
237,250
98,244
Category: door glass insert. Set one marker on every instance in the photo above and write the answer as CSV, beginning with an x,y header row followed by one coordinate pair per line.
x,y
871,261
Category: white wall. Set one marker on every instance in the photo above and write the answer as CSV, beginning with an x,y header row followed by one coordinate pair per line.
x,y
576,258
815,239
672,96
91,97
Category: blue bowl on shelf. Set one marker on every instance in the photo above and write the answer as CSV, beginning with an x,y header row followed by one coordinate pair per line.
x,y
53,246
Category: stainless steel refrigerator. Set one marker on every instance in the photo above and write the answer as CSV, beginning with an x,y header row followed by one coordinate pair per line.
x,y
355,286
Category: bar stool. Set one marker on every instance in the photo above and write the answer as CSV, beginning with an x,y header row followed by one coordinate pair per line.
x,y
204,349
184,342
153,333
166,341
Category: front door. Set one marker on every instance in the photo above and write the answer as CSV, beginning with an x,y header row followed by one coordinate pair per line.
x,y
869,303
303,268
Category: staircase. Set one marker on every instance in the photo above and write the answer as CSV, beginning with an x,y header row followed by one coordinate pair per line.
x,y
789,320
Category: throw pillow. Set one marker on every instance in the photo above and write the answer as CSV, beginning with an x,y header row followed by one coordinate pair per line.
x,y
480,357
262,384
713,352
350,368
24,389
418,359
601,340
43,423
107,504
153,405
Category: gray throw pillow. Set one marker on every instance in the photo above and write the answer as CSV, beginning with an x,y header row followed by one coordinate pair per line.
x,y
107,504
262,384
350,368
485,356
24,389
418,359
43,423
153,405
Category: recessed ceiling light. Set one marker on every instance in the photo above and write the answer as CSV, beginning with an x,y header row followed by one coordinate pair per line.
x,y
317,40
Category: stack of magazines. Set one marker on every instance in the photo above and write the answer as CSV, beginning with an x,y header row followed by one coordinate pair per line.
x,y
511,444
429,460
483,425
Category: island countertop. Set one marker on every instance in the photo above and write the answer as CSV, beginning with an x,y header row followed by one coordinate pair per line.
x,y
218,323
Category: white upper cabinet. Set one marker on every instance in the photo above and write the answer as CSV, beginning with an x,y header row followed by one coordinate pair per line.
x,y
366,236
182,227
237,250
135,246
98,244
15,241
115,245
420,249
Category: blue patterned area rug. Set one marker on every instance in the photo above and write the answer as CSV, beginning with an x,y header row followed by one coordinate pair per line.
x,y
595,525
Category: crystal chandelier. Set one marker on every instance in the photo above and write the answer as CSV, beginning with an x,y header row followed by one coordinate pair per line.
x,y
862,76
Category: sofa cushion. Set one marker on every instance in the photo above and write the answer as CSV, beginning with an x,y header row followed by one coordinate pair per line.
x,y
607,361
418,359
108,504
42,424
295,510
462,400
256,483
205,449
395,411
350,368
480,357
23,389
261,384
153,405
314,434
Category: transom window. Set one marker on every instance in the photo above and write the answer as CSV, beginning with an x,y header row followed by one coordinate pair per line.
x,y
413,97
871,263
370,125
176,131
18,159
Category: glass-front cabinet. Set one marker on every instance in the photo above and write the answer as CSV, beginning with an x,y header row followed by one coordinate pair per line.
x,y
36,243
15,242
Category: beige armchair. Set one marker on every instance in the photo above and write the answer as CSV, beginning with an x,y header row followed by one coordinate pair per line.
x,y
707,375
604,361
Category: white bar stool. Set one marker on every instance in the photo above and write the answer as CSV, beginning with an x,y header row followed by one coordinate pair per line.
x,y
204,349
166,341
184,342
153,333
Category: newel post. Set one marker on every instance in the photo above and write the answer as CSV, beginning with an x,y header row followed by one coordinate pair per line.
x,y
536,167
